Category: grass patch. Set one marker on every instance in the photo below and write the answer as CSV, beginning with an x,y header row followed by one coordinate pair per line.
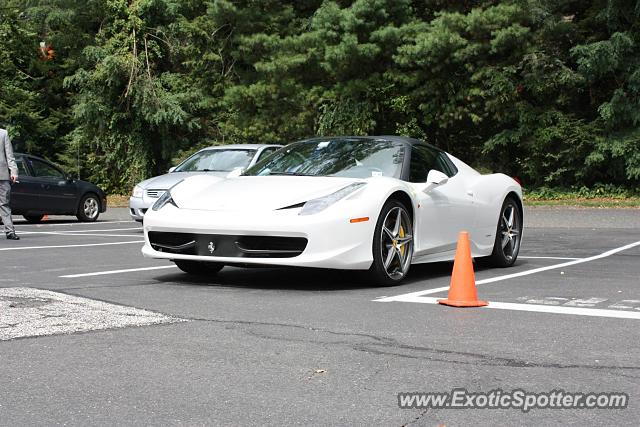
x,y
117,201
599,196
602,202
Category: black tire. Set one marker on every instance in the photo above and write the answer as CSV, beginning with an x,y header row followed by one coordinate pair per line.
x,y
199,268
392,246
508,236
33,219
89,208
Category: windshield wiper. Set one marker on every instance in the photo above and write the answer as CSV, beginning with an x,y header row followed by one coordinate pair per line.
x,y
290,173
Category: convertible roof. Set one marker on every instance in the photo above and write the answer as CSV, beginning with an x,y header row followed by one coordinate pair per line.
x,y
394,138
240,146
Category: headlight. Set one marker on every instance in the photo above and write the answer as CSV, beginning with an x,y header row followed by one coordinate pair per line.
x,y
321,203
137,191
163,200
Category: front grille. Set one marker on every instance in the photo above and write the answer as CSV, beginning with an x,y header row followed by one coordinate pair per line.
x,y
155,193
225,245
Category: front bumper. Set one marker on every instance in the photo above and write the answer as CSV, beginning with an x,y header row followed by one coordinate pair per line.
x,y
332,241
138,206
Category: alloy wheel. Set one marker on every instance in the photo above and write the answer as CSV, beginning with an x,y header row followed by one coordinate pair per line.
x,y
510,229
90,207
396,243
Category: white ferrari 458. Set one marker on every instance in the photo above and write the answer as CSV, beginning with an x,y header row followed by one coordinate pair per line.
x,y
359,203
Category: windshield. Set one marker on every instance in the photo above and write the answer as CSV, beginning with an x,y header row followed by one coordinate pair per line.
x,y
344,157
216,161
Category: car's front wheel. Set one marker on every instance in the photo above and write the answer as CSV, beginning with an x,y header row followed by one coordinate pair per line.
x,y
392,245
89,208
508,234
199,268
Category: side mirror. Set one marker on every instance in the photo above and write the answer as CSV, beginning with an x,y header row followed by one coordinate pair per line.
x,y
69,178
435,179
172,168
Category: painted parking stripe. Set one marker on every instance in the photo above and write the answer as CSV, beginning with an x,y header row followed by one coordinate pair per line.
x,y
547,257
82,231
577,311
68,233
626,304
94,234
128,270
105,229
22,248
412,295
68,224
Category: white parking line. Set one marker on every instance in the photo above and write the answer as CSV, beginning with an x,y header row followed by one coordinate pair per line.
x,y
69,233
82,231
412,296
97,234
128,270
71,223
22,248
595,312
545,257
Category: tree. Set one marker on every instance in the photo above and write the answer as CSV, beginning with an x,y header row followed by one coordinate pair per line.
x,y
136,99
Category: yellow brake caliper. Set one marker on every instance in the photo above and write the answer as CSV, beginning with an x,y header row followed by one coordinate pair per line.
x,y
401,234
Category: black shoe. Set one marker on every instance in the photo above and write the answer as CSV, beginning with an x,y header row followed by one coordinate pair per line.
x,y
12,236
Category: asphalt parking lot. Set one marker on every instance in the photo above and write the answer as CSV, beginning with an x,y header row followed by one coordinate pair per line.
x,y
294,346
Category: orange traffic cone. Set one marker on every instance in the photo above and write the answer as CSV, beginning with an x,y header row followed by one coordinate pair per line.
x,y
462,291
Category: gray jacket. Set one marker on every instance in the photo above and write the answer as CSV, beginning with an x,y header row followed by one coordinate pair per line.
x,y
8,165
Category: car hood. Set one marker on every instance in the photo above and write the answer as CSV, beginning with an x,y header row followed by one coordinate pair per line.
x,y
251,193
168,180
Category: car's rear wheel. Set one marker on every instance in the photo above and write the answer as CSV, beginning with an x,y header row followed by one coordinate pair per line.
x,y
199,268
89,208
33,218
392,245
508,234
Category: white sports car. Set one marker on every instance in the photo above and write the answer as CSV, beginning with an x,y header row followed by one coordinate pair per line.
x,y
359,203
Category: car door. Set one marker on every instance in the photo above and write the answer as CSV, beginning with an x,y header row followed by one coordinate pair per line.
x,y
442,210
55,192
461,199
20,198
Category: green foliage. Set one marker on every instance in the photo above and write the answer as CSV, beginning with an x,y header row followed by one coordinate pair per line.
x,y
548,91
598,191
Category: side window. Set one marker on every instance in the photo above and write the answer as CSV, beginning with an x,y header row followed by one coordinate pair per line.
x,y
44,170
423,159
446,165
22,167
266,153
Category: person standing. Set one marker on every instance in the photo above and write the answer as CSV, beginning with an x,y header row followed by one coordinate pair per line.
x,y
8,175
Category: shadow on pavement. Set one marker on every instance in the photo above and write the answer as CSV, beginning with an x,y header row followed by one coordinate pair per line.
x,y
312,279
